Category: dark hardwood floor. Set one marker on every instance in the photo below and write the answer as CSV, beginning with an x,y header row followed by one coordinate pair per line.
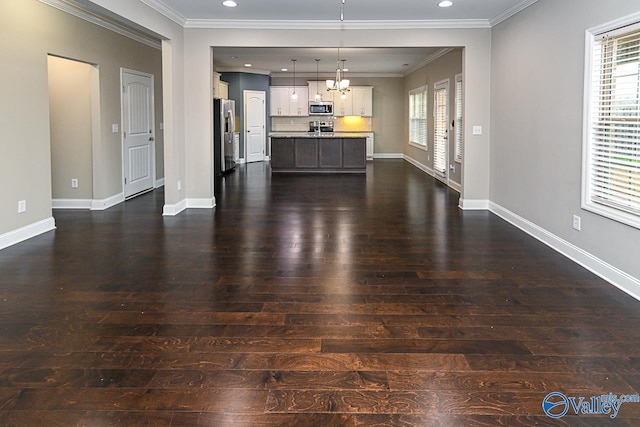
x,y
306,301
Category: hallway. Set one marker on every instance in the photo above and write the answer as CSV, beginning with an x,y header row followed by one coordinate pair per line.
x,y
338,300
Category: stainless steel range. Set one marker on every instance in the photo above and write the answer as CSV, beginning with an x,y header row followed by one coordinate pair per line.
x,y
321,126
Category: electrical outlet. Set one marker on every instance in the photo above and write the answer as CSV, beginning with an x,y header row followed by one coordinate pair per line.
x,y
22,206
477,130
161,126
74,183
576,222
114,128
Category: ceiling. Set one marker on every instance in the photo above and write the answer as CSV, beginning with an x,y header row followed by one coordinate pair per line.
x,y
283,14
354,10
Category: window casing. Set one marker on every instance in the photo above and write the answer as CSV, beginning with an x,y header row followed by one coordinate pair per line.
x,y
611,179
459,127
418,117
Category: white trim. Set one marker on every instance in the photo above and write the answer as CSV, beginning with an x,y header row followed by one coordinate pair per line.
x,y
173,210
473,205
419,146
455,185
508,13
335,25
27,232
166,10
440,53
71,204
586,203
417,164
388,156
159,183
78,11
606,271
100,205
201,203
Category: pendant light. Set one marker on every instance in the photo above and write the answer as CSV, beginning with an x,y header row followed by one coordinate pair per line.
x,y
339,84
294,95
318,95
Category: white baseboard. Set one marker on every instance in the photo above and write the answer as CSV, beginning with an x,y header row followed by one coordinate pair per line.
x,y
201,203
100,205
388,156
419,165
27,232
71,203
456,186
159,183
173,210
473,205
606,271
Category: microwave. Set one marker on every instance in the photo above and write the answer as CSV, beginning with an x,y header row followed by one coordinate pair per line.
x,y
321,108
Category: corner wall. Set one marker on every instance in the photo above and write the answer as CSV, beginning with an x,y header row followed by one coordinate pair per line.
x,y
537,125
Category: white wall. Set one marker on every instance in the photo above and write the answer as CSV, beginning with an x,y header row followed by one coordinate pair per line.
x,y
536,127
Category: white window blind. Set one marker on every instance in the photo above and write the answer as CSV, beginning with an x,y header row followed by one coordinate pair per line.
x,y
440,129
418,116
459,127
613,179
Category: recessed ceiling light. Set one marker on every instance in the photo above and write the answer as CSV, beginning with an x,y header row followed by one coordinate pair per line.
x,y
285,69
248,65
229,3
445,3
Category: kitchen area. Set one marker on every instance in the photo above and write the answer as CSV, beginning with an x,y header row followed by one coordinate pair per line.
x,y
319,130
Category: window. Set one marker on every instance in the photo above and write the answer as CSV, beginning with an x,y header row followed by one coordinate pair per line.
x,y
440,129
418,117
459,127
611,182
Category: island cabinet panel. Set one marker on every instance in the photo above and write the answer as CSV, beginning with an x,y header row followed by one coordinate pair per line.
x,y
282,153
355,153
325,154
306,153
331,153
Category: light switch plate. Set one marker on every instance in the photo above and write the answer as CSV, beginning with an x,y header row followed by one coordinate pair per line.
x,y
114,128
477,130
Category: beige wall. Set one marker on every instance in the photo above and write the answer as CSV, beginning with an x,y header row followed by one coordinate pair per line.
x,y
445,67
30,31
70,124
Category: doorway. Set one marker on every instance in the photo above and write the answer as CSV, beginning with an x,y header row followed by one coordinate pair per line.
x,y
73,129
138,127
254,125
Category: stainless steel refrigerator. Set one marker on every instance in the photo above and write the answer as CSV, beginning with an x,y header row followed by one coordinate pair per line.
x,y
224,126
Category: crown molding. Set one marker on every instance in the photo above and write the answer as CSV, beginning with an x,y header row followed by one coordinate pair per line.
x,y
243,70
508,13
166,10
440,53
75,9
335,25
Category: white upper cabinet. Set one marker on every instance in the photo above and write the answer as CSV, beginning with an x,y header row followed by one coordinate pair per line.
x,y
362,97
321,88
343,104
281,104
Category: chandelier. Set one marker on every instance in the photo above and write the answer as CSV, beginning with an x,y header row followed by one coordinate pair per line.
x,y
340,84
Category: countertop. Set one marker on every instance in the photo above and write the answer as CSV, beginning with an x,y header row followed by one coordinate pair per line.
x,y
321,135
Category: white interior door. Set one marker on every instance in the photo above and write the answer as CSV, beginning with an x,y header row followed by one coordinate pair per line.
x,y
441,130
138,132
254,125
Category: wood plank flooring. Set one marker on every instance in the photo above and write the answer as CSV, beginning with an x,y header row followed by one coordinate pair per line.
x,y
306,301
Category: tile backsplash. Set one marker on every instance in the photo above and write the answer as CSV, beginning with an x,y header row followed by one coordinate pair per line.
x,y
340,124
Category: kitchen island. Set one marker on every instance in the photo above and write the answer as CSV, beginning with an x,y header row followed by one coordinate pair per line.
x,y
318,153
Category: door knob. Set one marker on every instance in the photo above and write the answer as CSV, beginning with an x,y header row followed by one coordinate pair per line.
x,y
151,138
